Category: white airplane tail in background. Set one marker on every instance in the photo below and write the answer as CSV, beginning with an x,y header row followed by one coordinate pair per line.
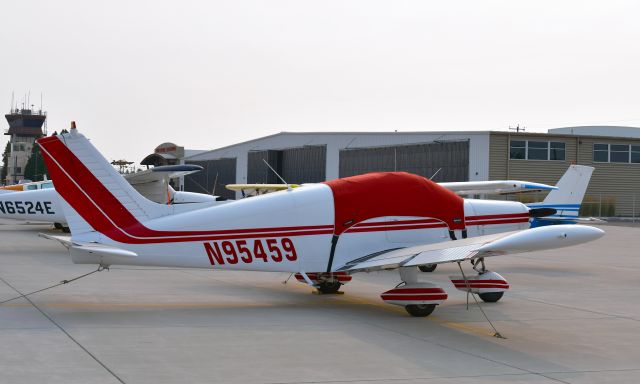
x,y
567,199
79,172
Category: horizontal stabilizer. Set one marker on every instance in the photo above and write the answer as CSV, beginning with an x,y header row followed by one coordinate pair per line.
x,y
91,253
102,250
64,240
528,240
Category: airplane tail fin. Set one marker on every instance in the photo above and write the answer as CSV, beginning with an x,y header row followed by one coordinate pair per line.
x,y
567,199
98,198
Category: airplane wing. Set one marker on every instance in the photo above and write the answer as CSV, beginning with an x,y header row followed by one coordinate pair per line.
x,y
259,189
528,240
161,173
153,184
496,187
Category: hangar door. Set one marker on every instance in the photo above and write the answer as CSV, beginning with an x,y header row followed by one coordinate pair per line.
x,y
296,165
421,159
205,180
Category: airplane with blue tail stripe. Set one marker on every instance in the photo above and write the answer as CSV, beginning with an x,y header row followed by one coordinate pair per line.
x,y
566,199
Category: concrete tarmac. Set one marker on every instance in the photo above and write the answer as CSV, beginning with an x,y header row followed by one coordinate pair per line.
x,y
571,316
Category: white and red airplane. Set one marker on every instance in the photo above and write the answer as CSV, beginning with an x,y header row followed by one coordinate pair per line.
x,y
321,232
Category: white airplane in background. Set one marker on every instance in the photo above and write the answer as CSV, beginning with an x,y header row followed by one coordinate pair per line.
x,y
323,232
26,186
567,199
463,188
39,201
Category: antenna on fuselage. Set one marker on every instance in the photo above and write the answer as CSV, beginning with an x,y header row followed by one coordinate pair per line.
x,y
279,177
434,175
215,182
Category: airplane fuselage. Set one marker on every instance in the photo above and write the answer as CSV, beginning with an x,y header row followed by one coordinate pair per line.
x,y
36,205
289,231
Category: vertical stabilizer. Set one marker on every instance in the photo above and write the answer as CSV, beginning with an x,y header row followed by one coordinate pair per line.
x,y
572,187
98,197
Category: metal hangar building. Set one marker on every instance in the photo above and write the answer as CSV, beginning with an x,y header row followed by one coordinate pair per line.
x,y
310,157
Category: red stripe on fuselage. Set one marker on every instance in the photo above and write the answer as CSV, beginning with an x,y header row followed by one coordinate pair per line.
x,y
401,225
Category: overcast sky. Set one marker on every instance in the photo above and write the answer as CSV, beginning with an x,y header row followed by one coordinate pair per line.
x,y
206,74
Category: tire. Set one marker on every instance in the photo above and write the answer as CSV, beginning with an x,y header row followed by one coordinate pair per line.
x,y
57,225
491,297
427,267
329,286
66,229
420,310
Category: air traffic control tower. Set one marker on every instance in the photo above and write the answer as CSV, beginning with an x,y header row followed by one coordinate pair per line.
x,y
25,126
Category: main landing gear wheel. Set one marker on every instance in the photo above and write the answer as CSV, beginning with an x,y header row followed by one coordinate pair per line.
x,y
427,267
420,310
491,297
329,286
